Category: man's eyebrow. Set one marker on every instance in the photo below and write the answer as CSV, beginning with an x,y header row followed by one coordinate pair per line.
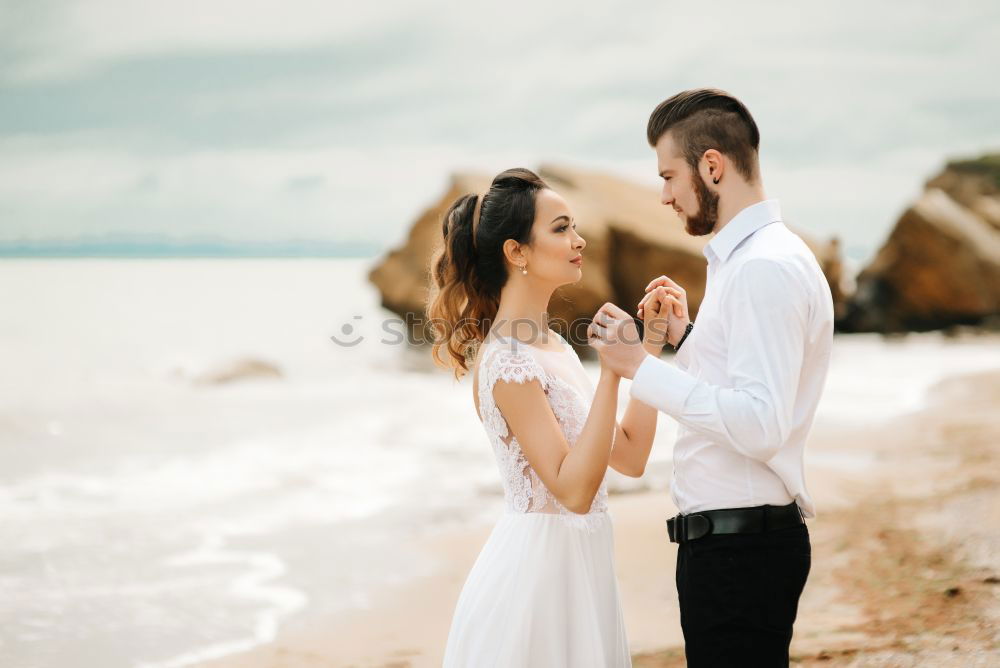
x,y
558,218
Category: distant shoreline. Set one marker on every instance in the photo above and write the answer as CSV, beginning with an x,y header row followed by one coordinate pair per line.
x,y
190,256
207,249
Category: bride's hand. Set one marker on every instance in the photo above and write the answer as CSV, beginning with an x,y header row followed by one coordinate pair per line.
x,y
610,324
664,312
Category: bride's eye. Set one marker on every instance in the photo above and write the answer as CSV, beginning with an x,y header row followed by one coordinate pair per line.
x,y
561,228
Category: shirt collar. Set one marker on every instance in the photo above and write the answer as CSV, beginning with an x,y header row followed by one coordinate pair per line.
x,y
743,224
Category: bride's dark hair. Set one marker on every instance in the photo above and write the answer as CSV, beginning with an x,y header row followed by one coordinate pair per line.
x,y
469,269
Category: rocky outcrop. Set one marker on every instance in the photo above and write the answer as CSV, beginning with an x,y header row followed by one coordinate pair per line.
x,y
631,239
941,263
974,184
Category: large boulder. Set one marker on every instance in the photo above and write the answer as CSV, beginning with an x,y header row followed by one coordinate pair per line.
x,y
941,263
631,238
975,184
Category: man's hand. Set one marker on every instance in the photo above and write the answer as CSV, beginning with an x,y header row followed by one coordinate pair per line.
x,y
615,336
656,310
664,309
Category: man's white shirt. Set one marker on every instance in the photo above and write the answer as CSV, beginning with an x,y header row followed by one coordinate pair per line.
x,y
749,376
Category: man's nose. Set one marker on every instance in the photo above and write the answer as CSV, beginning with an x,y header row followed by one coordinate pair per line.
x,y
666,197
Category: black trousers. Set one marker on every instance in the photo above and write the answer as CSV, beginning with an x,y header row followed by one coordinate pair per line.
x,y
739,594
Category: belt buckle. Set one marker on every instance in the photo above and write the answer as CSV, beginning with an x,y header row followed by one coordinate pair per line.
x,y
675,528
672,529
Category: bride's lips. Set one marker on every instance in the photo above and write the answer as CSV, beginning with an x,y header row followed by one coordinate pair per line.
x,y
578,260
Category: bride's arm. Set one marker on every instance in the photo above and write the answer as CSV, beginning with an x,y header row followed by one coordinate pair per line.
x,y
664,311
634,436
574,474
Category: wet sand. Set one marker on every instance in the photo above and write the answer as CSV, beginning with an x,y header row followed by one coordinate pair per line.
x,y
906,559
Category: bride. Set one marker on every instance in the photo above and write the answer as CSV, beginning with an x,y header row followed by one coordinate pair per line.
x,y
542,591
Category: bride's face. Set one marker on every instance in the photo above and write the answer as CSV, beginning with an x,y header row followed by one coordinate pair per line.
x,y
556,242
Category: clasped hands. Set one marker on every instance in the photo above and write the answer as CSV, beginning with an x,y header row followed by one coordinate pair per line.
x,y
613,333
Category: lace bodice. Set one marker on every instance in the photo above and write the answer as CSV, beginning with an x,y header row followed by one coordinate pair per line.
x,y
569,394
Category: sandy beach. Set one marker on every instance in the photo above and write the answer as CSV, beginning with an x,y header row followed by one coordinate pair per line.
x,y
904,559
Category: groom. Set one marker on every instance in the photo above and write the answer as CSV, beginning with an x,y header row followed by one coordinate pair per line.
x,y
743,387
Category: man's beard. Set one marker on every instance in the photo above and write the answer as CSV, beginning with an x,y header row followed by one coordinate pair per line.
x,y
704,221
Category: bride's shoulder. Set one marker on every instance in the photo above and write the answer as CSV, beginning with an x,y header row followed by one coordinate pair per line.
x,y
500,347
508,359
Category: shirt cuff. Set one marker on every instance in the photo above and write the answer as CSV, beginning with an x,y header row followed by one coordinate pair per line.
x,y
661,386
682,356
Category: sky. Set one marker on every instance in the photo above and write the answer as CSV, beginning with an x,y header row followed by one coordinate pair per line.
x,y
256,120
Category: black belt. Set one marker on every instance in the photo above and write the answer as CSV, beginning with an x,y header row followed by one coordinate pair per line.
x,y
756,519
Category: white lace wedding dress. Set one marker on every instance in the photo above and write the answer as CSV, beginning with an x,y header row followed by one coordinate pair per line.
x,y
542,592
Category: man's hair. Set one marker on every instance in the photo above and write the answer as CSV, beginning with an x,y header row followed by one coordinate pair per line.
x,y
706,118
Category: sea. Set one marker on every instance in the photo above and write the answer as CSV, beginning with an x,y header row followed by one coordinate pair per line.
x,y
151,517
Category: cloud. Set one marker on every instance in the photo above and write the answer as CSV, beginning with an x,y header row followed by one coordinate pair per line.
x,y
260,119
70,38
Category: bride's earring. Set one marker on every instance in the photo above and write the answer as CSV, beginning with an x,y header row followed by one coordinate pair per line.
x,y
524,269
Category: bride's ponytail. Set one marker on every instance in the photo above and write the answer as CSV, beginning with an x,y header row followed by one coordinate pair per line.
x,y
458,306
469,270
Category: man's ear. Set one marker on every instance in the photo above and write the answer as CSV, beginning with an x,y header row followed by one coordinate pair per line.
x,y
714,164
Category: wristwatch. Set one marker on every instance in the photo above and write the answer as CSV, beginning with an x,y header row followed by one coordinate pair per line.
x,y
687,330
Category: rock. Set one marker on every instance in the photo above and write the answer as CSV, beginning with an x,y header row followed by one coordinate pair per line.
x,y
631,239
975,184
940,266
240,369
